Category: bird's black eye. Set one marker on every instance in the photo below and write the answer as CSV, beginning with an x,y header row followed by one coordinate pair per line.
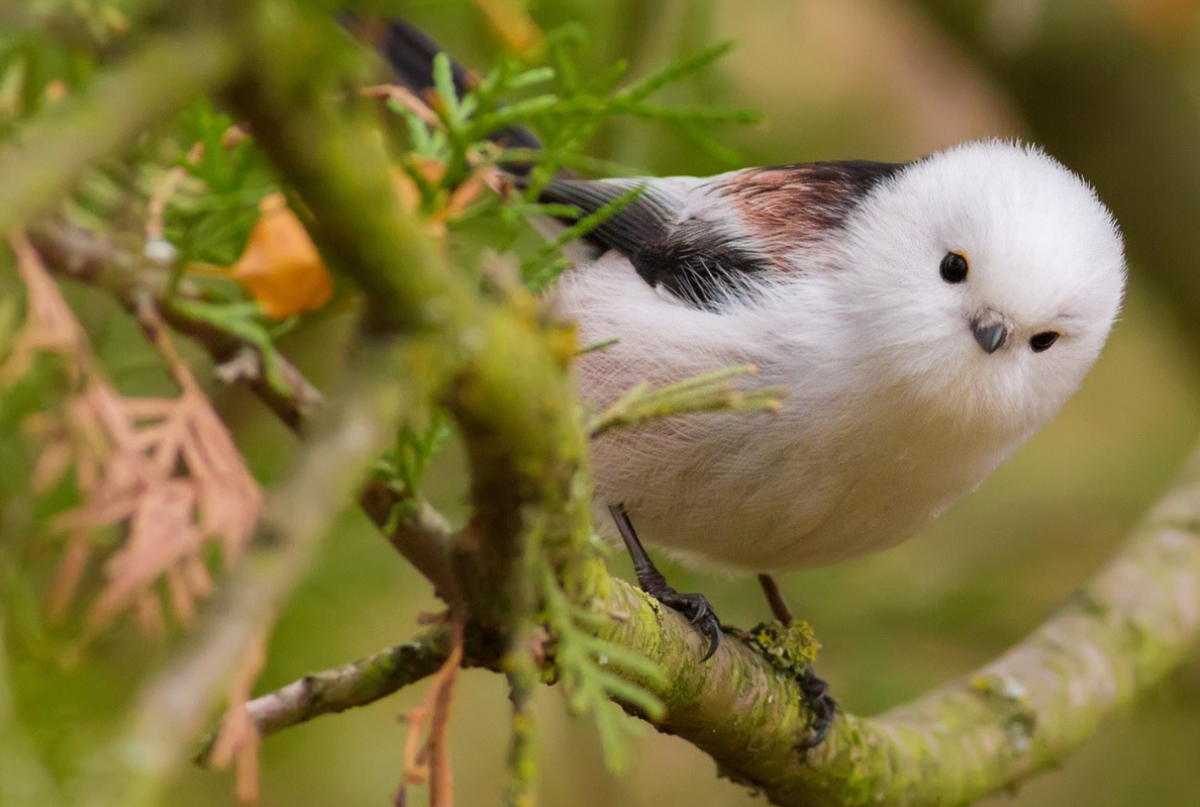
x,y
1042,341
954,267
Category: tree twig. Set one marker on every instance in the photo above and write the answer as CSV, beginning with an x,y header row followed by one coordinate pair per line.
x,y
364,681
75,253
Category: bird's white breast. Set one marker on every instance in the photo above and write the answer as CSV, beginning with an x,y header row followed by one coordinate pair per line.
x,y
852,464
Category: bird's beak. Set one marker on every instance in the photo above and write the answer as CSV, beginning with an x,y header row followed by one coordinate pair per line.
x,y
991,334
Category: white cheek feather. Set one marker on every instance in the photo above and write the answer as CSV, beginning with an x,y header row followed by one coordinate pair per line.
x,y
893,410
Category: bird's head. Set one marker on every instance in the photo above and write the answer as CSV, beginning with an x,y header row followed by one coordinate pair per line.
x,y
994,275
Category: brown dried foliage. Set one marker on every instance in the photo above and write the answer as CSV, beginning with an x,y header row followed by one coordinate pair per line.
x,y
163,470
426,750
239,740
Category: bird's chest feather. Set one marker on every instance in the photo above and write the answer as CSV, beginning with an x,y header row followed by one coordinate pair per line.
x,y
844,468
819,482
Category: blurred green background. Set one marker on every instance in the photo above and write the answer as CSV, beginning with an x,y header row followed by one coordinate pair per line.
x,y
1112,87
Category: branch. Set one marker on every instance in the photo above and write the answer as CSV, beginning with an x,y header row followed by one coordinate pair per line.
x,y
75,253
362,682
494,366
1113,641
355,684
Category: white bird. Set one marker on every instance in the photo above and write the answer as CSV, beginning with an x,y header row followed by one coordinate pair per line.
x,y
925,319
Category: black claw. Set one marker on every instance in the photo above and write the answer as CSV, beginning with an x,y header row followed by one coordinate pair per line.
x,y
694,607
823,706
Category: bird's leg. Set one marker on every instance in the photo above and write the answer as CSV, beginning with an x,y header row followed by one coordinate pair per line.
x,y
692,606
815,689
775,598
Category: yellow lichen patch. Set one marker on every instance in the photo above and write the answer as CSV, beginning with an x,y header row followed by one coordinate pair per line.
x,y
792,648
280,266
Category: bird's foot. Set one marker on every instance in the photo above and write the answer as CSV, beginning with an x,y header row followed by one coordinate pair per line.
x,y
821,704
695,608
791,649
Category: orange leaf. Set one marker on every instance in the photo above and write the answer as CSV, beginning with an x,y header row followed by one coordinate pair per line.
x,y
280,267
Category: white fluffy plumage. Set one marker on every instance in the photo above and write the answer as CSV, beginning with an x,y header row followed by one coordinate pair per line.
x,y
895,406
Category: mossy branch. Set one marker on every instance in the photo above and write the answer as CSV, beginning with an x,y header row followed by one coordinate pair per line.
x,y
1023,713
363,681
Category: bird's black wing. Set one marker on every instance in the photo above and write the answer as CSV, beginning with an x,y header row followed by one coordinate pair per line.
x,y
699,259
707,241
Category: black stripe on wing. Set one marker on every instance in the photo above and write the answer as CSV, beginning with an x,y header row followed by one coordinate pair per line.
x,y
694,259
702,265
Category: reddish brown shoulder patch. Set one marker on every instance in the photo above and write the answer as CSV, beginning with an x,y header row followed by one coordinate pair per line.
x,y
789,205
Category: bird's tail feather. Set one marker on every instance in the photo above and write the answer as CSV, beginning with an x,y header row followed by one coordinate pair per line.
x,y
410,53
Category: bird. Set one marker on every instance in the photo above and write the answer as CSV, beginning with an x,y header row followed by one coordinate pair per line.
x,y
924,318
